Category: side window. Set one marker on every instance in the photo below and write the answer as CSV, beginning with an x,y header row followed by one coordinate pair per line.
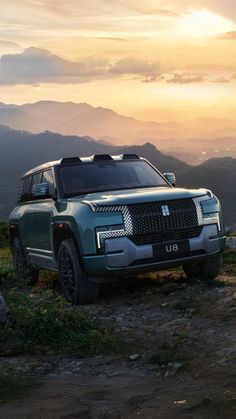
x,y
24,190
48,178
36,178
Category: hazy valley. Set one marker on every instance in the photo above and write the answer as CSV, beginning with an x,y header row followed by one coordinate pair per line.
x,y
191,140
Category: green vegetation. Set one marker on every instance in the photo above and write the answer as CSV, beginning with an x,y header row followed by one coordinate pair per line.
x,y
45,322
229,262
6,268
3,234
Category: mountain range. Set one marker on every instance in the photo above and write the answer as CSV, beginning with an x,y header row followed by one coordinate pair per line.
x,y
81,119
193,141
22,150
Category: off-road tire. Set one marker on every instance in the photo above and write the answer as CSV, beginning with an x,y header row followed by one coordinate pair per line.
x,y
76,285
23,270
207,269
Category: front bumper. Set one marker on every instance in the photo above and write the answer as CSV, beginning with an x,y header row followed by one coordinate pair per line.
x,y
123,256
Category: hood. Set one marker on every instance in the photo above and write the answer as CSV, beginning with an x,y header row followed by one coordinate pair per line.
x,y
135,196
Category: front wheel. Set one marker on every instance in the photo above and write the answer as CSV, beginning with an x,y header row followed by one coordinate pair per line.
x,y
23,270
207,269
75,283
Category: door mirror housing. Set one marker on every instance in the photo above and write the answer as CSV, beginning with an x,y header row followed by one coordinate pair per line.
x,y
171,178
40,190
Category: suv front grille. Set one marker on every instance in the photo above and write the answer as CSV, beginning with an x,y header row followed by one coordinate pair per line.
x,y
154,221
148,218
165,236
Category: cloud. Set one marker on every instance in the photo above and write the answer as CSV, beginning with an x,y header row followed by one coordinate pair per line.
x,y
148,7
221,80
132,65
225,8
99,7
35,65
176,78
151,79
179,78
9,44
228,35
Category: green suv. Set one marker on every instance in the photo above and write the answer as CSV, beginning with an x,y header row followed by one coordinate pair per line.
x,y
96,218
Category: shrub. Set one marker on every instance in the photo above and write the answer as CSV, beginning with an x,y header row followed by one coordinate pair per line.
x,y
4,242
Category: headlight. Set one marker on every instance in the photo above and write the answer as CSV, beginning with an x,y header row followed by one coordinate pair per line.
x,y
115,230
208,210
109,232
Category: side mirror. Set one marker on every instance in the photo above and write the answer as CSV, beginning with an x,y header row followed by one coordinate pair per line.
x,y
170,177
40,190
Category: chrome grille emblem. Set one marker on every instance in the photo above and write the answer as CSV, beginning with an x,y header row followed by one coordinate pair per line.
x,y
165,210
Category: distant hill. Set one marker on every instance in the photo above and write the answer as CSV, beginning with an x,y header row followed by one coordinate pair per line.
x,y
192,141
219,175
81,119
21,151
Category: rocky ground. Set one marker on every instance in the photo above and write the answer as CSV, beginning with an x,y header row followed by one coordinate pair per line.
x,y
176,357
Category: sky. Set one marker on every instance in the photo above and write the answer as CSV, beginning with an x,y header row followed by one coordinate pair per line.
x,y
130,55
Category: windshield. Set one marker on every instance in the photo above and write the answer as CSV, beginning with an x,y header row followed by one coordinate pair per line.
x,y
91,177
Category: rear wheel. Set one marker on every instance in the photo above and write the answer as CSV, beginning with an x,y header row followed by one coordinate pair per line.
x,y
207,269
24,271
76,285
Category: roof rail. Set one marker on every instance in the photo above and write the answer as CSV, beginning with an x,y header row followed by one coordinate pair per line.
x,y
70,160
99,157
130,156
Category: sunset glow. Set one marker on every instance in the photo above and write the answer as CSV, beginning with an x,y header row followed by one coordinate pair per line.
x,y
203,23
126,55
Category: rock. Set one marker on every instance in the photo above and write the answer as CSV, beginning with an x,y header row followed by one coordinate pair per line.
x,y
231,242
5,316
134,357
172,369
170,287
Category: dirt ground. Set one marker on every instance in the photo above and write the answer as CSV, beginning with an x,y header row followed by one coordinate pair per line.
x,y
176,360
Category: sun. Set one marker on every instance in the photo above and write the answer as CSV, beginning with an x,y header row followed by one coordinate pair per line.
x,y
203,23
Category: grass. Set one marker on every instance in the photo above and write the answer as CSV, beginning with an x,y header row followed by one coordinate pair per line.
x,y
229,262
4,238
6,268
46,322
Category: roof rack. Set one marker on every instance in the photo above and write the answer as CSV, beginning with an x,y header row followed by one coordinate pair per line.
x,y
99,157
130,156
70,160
